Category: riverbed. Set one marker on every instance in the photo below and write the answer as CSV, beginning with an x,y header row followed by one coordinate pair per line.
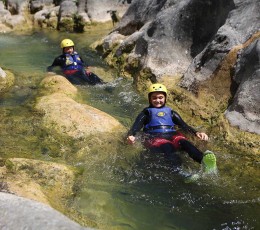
x,y
129,189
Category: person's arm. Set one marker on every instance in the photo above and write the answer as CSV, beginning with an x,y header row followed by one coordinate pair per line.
x,y
136,127
50,68
85,65
58,61
83,62
182,124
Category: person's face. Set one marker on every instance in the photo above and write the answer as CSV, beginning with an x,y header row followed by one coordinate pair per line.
x,y
157,99
68,50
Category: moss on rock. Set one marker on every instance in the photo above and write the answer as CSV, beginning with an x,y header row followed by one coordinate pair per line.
x,y
6,80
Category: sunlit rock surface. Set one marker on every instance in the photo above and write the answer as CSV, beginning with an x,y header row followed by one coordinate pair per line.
x,y
68,117
6,80
35,179
35,186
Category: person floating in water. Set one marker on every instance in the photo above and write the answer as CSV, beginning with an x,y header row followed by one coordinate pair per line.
x,y
73,66
158,124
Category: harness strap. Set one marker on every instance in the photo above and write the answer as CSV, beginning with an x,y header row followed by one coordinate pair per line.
x,y
70,72
161,127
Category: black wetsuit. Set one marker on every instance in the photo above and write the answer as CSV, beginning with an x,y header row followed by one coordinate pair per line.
x,y
78,77
167,147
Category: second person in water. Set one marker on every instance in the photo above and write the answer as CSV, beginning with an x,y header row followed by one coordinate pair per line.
x,y
73,66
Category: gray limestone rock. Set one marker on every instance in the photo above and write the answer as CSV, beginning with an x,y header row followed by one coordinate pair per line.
x,y
21,213
245,108
241,23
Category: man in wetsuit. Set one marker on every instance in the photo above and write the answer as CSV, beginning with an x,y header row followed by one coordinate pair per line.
x,y
73,66
158,123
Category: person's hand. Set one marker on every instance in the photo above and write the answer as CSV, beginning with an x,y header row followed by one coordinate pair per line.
x,y
202,136
131,140
88,70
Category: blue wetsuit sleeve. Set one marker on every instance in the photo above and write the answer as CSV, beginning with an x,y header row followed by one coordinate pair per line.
x,y
176,118
139,123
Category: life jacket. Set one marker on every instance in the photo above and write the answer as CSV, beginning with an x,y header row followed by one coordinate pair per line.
x,y
160,120
72,64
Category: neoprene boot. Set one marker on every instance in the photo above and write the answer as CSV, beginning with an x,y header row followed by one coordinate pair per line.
x,y
209,162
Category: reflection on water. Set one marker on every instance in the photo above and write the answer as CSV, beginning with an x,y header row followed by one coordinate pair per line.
x,y
123,187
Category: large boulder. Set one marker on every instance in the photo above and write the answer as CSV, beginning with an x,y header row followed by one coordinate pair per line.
x,y
36,186
47,17
71,15
14,16
22,213
4,17
16,6
233,33
37,5
244,110
68,117
170,34
37,180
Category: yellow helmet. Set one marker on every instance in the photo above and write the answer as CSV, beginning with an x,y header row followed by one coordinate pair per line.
x,y
66,43
157,88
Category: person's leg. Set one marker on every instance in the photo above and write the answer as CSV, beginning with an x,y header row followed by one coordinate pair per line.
x,y
83,76
74,79
193,152
95,79
208,158
170,154
161,145
90,77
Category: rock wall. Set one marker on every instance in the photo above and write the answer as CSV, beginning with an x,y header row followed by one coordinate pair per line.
x,y
66,15
244,111
197,43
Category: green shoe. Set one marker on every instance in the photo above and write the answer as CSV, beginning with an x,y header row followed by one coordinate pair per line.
x,y
209,162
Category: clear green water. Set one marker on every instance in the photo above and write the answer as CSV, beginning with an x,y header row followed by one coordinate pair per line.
x,y
122,187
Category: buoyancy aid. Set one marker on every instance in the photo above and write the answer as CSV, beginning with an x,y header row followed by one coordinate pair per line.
x,y
72,64
160,120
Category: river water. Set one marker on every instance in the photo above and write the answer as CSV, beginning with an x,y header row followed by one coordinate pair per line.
x,y
128,189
